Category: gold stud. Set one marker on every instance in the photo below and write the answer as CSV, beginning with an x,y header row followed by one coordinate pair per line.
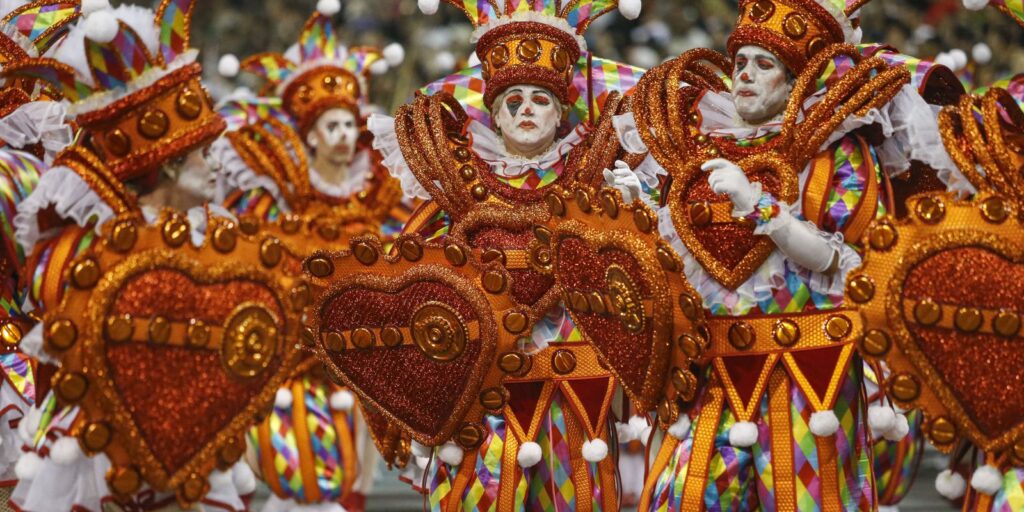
x,y
560,59
666,258
689,346
927,312
529,50
391,337
608,204
290,224
118,143
468,172
479,192
837,327
175,231
494,281
119,328
563,361
334,342
123,237
492,398
193,488
362,338
786,332
583,201
690,306
159,330
198,333
71,386
967,319
882,236
794,25
463,154
124,480
556,205
224,239
11,334
96,436
62,334
1006,323
365,253
321,267
930,209
85,274
543,234
643,221
499,56
700,213
762,10
904,387
579,302
815,45
993,210
470,436
189,104
511,362
741,335
942,431
596,302
248,225
491,255
271,252
861,289
875,343
455,255
514,322
153,124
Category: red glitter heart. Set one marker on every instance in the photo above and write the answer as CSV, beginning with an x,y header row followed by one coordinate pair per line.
x,y
981,370
181,398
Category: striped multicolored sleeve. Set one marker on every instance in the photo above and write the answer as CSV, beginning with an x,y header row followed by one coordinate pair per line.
x,y
845,189
257,202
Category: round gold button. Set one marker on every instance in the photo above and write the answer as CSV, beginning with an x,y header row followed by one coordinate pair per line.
x,y
904,388
741,335
786,333
563,361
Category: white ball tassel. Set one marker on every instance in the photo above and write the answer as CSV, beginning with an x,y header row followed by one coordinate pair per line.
x,y
630,9
228,66
881,419
451,454
283,398
899,430
529,454
950,485
743,434
595,450
428,6
343,400
101,26
328,7
394,54
824,423
975,5
987,480
681,428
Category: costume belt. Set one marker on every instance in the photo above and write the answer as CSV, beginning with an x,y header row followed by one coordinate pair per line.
x,y
780,333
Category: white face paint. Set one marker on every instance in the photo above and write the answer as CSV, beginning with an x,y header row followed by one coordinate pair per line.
x,y
184,183
333,138
527,117
760,85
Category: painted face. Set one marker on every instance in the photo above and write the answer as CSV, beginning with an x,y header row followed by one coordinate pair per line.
x,y
333,137
527,118
760,85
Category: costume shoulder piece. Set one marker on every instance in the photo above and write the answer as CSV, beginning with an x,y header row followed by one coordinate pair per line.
x,y
423,336
620,281
172,351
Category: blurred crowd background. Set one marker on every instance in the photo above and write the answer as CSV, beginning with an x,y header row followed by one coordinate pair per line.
x,y
438,44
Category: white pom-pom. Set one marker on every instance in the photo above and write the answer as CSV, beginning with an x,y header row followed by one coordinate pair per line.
x,y
379,67
90,6
824,423
743,434
328,7
243,478
595,450
283,398
900,429
342,400
444,61
427,6
65,451
28,466
451,454
529,454
624,433
681,427
950,485
975,5
959,59
945,59
420,450
881,419
228,66
630,9
101,26
888,508
987,480
394,54
981,53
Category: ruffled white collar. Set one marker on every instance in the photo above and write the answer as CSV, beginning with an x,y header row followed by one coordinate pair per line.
x,y
720,119
359,170
488,146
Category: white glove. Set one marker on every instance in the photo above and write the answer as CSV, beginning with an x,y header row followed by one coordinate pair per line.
x,y
727,178
802,243
624,179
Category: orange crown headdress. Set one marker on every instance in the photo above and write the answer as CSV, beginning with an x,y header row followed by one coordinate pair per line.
x,y
133,84
319,72
532,41
795,30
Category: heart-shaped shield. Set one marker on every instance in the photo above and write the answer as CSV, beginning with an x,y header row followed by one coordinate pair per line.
x,y
624,287
417,335
172,351
941,296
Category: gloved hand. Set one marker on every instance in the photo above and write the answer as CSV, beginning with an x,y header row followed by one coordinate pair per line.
x,y
803,243
727,178
624,179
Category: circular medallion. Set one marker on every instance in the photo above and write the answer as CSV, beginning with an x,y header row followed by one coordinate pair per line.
x,y
189,104
118,143
762,10
498,56
794,25
625,298
560,59
529,50
250,341
439,331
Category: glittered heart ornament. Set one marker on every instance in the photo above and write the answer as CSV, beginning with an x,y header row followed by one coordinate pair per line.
x,y
625,290
172,351
941,295
416,335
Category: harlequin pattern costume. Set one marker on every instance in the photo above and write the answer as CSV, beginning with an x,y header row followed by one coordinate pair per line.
x,y
546,443
313,449
106,432
779,422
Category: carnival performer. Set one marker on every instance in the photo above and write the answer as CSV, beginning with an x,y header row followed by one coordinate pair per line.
x,y
301,157
32,129
137,152
773,184
547,441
